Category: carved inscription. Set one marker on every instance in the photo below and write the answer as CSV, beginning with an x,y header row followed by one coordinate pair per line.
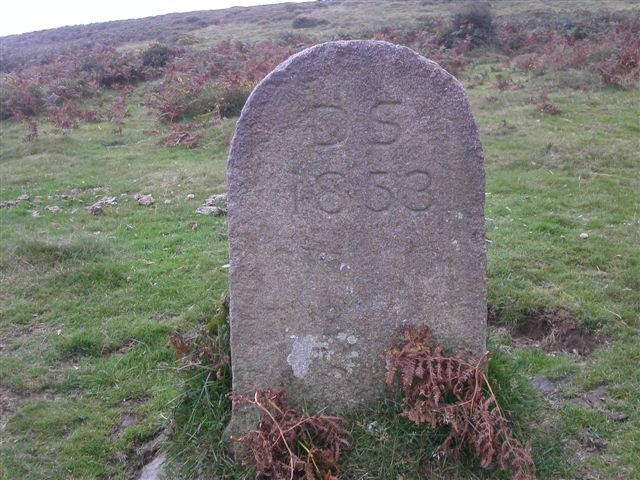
x,y
383,128
378,190
333,192
327,123
416,183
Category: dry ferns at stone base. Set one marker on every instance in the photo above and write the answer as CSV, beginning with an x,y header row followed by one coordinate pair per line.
x,y
454,391
287,445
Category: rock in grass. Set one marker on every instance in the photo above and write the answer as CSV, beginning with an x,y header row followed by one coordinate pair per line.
x,y
212,211
95,209
145,199
215,205
218,199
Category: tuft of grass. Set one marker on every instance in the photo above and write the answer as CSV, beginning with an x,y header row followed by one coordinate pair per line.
x,y
38,252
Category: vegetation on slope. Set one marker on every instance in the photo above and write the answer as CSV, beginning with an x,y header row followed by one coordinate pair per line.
x,y
89,387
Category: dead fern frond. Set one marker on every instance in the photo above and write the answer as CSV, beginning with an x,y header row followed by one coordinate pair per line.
x,y
440,390
202,349
287,445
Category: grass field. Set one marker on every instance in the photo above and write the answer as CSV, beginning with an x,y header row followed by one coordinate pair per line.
x,y
89,387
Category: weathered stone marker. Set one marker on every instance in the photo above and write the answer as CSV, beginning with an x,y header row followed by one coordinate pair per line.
x,y
356,194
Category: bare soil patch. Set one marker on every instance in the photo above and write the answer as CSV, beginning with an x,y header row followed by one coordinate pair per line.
x,y
553,330
128,419
596,398
8,403
147,459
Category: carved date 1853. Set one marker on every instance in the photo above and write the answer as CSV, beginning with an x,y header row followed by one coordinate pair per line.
x,y
379,191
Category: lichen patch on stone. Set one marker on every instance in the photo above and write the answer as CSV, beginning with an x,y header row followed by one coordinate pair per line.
x,y
304,351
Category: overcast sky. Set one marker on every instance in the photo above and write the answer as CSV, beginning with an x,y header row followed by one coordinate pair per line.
x,y
21,16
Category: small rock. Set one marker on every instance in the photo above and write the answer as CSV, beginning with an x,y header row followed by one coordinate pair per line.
x,y
167,202
226,266
584,235
110,201
153,469
193,225
213,211
543,385
23,198
191,196
35,213
52,208
215,200
617,417
598,396
145,199
595,399
7,203
95,209
592,443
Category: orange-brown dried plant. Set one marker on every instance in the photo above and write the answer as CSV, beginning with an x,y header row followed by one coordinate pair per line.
x,y
287,445
202,349
453,391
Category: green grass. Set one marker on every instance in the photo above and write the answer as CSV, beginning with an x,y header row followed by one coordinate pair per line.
x,y
551,178
88,303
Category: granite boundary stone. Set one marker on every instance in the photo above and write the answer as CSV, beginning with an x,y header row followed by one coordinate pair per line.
x,y
356,206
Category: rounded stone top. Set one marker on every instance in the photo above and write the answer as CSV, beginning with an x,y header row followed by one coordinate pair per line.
x,y
372,60
356,72
373,55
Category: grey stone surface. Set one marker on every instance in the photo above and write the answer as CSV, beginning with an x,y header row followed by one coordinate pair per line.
x,y
153,470
356,196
